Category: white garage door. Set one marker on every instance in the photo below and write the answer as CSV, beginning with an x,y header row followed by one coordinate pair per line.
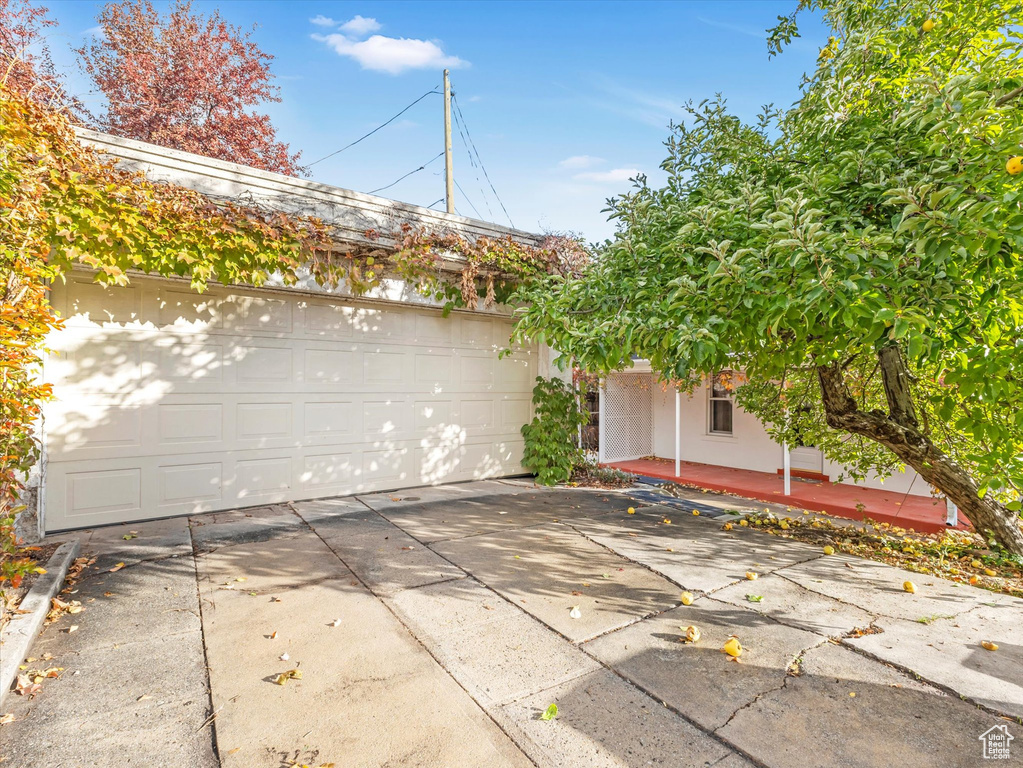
x,y
170,402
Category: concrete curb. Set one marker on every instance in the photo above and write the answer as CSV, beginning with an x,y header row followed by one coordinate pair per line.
x,y
23,628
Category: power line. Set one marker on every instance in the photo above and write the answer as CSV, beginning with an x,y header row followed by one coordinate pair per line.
x,y
417,170
382,125
458,109
438,200
478,214
472,162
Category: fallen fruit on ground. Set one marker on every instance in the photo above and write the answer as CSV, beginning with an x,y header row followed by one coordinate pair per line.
x,y
687,598
988,645
690,635
744,523
990,572
632,510
752,575
974,579
696,512
726,527
909,586
733,647
829,550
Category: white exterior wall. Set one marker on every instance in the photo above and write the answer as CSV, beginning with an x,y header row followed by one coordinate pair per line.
x,y
749,447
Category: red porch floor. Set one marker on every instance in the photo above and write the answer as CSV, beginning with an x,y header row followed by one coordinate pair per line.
x,y
921,513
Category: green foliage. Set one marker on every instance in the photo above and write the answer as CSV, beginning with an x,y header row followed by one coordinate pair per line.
x,y
551,449
878,212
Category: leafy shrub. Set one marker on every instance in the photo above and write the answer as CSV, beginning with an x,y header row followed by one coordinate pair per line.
x,y
551,437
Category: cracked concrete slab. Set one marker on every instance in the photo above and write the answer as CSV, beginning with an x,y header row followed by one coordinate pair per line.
x,y
133,688
385,557
240,526
430,494
697,679
797,606
491,647
540,568
604,722
514,508
145,541
948,652
693,551
814,721
877,588
368,695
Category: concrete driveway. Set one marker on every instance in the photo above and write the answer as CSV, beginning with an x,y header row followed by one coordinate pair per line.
x,y
433,627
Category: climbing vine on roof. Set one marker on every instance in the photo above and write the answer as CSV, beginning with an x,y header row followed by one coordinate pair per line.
x,y
64,204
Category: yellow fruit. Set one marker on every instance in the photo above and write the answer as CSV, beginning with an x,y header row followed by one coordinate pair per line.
x,y
988,645
829,550
1014,165
696,512
691,635
733,647
783,525
687,598
977,564
632,510
752,575
726,527
909,586
928,25
744,523
974,579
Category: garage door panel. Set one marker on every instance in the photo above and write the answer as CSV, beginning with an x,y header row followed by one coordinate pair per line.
x,y
179,309
171,402
86,303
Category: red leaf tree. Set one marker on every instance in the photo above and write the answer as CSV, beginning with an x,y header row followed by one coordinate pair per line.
x,y
25,62
185,81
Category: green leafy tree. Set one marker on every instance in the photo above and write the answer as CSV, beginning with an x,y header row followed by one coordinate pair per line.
x,y
859,256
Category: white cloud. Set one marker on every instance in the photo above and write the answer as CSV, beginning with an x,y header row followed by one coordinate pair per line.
x,y
614,175
323,21
94,32
360,26
578,162
393,55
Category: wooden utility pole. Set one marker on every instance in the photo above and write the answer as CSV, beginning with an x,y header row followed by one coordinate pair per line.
x,y
449,169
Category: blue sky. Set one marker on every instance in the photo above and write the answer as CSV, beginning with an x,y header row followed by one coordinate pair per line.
x,y
564,100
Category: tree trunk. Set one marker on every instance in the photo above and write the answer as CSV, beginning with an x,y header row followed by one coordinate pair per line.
x,y
899,431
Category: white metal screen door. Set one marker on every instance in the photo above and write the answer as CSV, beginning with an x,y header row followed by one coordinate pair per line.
x,y
628,407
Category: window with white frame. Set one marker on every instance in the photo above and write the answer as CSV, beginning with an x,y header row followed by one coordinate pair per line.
x,y
719,420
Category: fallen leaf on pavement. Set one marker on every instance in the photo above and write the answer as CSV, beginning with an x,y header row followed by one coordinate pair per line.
x,y
273,635
117,567
336,623
72,628
575,613
143,697
550,713
25,686
7,718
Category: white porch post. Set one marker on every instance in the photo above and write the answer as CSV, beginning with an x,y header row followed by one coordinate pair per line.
x,y
678,433
601,417
787,471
